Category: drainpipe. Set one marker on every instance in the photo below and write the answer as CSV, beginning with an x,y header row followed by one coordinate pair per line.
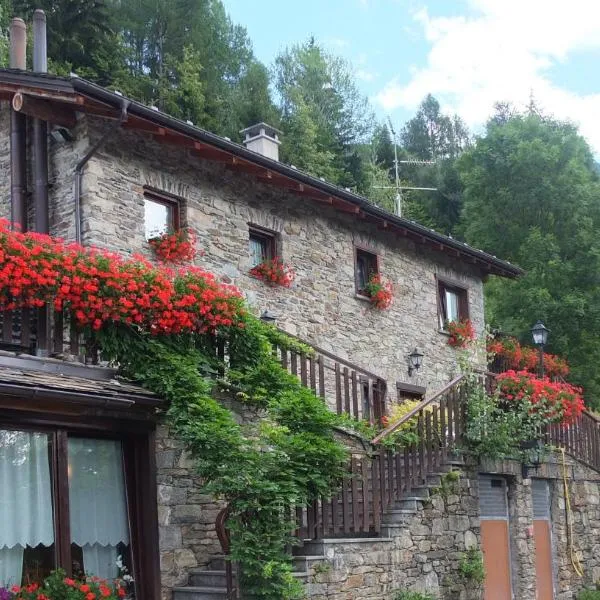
x,y
40,130
79,168
18,127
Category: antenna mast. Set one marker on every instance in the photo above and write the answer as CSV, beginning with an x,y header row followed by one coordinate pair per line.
x,y
397,183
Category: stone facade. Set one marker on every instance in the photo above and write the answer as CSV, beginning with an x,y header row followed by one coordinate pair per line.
x,y
317,240
422,554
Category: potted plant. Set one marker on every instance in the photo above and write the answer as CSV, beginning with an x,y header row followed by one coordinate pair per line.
x,y
379,292
273,271
461,333
174,247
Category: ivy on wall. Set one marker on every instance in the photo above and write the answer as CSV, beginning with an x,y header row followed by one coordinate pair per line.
x,y
161,327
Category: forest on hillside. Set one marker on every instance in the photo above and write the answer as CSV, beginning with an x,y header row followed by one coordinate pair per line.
x,y
526,189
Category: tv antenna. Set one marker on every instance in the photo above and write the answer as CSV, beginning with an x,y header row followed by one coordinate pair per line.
x,y
397,183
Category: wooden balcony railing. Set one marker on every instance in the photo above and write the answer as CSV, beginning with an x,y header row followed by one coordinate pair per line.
x,y
346,387
43,332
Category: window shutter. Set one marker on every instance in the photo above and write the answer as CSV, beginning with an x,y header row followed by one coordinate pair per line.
x,y
492,497
540,492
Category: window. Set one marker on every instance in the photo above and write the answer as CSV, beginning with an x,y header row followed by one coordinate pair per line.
x,y
453,303
366,265
63,504
261,245
161,214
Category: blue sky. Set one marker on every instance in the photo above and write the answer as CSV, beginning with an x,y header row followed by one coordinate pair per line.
x,y
468,53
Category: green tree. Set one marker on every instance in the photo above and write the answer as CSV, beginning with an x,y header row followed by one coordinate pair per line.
x,y
532,196
316,87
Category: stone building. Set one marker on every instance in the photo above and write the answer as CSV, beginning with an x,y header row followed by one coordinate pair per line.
x,y
118,172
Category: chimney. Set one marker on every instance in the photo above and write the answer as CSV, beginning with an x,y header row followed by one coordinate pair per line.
x,y
263,139
40,46
18,44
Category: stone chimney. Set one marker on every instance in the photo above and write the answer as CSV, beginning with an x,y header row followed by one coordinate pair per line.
x,y
263,139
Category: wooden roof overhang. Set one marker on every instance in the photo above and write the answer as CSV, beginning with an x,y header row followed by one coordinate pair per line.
x,y
60,99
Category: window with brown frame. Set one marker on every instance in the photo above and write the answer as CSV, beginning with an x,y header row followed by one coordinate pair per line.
x,y
261,244
65,503
161,213
365,266
453,303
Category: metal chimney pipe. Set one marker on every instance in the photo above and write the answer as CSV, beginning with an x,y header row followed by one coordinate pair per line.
x,y
40,130
18,44
18,126
40,45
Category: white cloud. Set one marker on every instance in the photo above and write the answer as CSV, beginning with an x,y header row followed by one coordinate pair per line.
x,y
502,52
365,75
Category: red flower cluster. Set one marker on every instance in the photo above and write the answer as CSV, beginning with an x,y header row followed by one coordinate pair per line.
x,y
523,358
461,333
177,247
274,271
97,287
379,291
92,588
555,402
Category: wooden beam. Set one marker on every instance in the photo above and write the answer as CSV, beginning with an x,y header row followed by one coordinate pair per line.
x,y
44,110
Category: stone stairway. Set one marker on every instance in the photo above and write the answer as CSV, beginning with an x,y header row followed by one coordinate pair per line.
x,y
209,583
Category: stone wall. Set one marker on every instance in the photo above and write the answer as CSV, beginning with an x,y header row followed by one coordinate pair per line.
x,y
317,240
421,554
186,516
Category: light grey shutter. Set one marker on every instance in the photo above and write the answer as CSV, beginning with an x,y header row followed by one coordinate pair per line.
x,y
492,497
540,492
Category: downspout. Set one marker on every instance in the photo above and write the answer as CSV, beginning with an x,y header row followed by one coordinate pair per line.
x,y
90,153
18,132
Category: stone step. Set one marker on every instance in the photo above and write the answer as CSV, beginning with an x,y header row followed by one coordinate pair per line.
x,y
199,593
208,578
217,563
303,562
398,515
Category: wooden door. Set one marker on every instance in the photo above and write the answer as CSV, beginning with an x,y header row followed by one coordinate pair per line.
x,y
495,540
542,536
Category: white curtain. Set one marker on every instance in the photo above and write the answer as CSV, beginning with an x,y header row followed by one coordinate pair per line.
x,y
97,503
451,306
25,500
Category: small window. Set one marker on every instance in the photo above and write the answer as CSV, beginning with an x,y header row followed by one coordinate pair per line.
x,y
161,214
261,245
366,266
453,303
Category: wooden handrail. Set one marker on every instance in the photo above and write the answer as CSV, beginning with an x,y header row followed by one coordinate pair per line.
x,y
389,430
333,357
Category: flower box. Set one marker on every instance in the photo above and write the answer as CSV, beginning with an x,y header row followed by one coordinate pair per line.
x,y
175,247
274,271
379,292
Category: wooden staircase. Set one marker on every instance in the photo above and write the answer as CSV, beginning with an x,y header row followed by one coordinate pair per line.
x,y
384,488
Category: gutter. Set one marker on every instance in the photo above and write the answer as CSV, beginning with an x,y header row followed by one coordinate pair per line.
x,y
89,154
97,400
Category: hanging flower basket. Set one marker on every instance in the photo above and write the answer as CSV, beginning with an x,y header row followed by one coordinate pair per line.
x,y
551,402
461,333
509,353
379,292
274,272
176,247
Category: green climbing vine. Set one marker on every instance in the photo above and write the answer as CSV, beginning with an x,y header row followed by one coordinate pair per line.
x,y
262,470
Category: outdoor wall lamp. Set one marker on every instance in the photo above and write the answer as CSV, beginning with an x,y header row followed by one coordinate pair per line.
x,y
532,456
268,317
415,358
540,336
